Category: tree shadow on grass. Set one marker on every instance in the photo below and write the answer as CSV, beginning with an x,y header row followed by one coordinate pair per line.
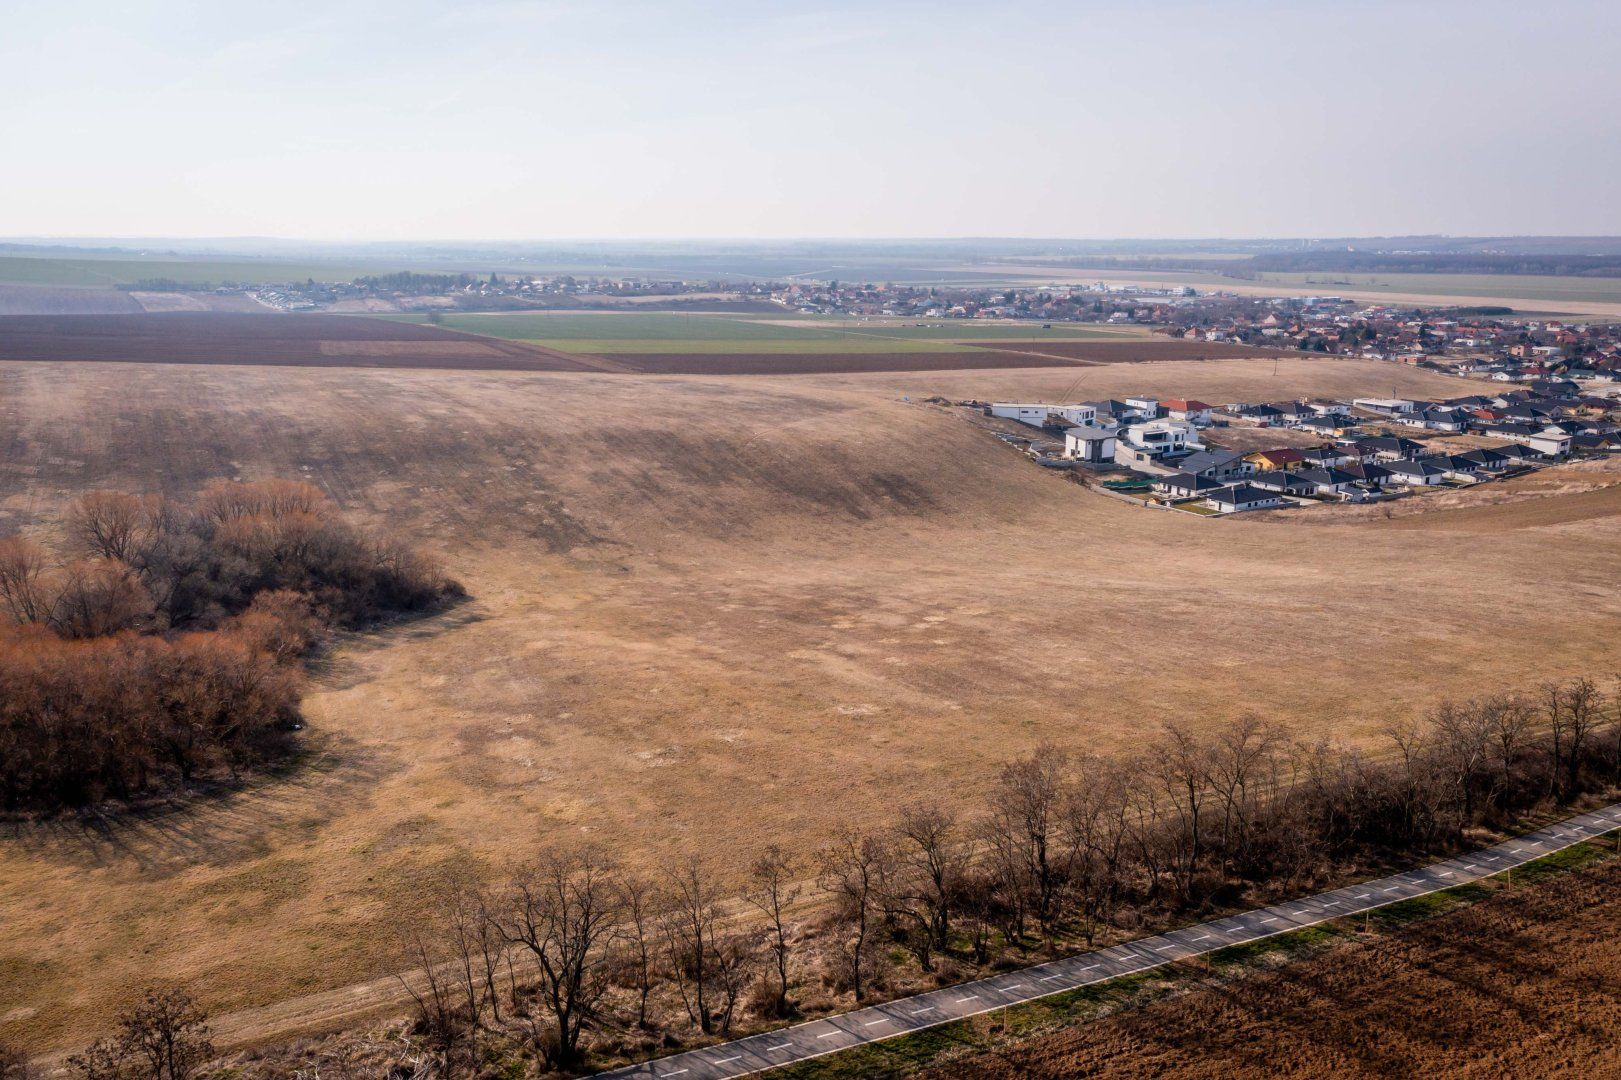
x,y
212,824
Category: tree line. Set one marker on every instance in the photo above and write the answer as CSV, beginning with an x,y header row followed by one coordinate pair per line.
x,y
574,953
573,959
166,645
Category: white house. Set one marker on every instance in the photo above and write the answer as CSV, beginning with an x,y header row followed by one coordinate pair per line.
x,y
1231,500
1036,414
1419,473
1549,441
1194,412
1145,407
1385,405
1186,485
1089,443
1141,444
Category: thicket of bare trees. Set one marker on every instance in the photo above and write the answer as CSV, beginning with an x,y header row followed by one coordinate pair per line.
x,y
166,647
1073,847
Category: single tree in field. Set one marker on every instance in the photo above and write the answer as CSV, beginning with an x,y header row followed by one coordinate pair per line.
x,y
772,889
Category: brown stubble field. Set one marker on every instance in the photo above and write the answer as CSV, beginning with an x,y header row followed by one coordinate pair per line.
x,y
1522,984
708,613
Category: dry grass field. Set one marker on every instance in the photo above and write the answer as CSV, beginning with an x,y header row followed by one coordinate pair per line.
x,y
709,612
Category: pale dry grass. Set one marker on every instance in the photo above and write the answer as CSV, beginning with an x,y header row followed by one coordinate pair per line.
x,y
708,613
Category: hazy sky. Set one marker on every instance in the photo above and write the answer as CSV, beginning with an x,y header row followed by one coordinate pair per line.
x,y
517,120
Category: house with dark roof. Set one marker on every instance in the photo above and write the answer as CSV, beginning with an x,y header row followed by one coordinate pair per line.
x,y
1388,448
1367,473
1186,485
1487,460
1595,443
1265,413
1457,466
1445,419
1286,482
1327,481
1221,464
1324,457
1421,473
1330,424
1240,497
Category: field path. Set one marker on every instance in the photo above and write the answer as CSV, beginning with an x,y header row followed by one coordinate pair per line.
x,y
829,1035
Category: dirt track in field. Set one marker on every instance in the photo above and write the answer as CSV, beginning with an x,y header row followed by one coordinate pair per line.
x,y
1526,983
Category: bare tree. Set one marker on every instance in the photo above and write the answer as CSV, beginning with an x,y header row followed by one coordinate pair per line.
x,y
431,984
773,890
116,525
639,902
1094,826
850,872
1583,713
690,914
1179,764
736,955
1022,826
1240,766
934,846
1464,739
564,912
97,597
22,569
1509,719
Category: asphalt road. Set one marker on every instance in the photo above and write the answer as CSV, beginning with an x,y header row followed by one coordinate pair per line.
x,y
832,1034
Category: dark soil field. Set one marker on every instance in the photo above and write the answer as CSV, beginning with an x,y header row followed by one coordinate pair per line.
x,y
295,340
1526,983
64,300
1136,352
827,363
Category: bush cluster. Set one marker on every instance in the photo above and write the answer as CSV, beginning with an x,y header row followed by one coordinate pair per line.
x,y
167,647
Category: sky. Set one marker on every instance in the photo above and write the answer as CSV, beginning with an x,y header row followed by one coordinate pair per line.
x,y
516,120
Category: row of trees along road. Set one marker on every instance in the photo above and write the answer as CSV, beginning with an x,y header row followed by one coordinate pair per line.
x,y
574,952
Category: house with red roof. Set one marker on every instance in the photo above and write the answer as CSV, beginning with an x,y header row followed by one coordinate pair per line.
x,y
1194,412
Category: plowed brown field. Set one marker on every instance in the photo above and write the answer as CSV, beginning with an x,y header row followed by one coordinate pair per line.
x,y
1137,352
1527,983
829,363
292,340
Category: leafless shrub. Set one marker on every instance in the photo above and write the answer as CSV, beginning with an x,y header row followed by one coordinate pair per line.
x,y
165,1037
